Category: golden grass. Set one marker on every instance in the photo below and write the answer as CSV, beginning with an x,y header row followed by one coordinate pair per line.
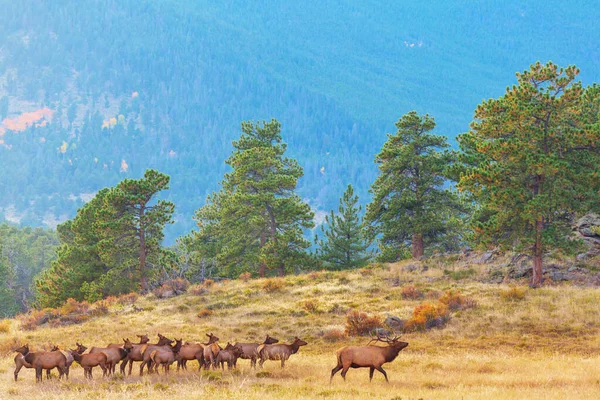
x,y
543,346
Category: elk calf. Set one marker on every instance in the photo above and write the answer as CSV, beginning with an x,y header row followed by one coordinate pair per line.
x,y
228,355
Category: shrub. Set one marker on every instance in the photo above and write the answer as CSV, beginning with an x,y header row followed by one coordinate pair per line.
x,y
205,312
208,283
361,324
514,293
4,326
72,306
427,316
196,290
171,288
101,307
365,271
129,298
273,285
453,299
310,305
410,292
334,335
459,275
245,276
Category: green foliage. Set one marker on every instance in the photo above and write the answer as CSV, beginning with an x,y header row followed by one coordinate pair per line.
x,y
410,204
345,246
24,252
256,221
530,160
112,246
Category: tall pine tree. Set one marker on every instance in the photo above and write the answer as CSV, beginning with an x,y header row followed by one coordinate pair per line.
x,y
345,245
256,221
411,205
531,161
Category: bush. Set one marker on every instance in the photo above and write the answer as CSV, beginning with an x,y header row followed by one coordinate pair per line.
x,y
426,316
205,312
245,276
459,275
171,288
310,305
273,285
361,324
514,293
410,292
334,335
4,326
196,290
208,283
129,298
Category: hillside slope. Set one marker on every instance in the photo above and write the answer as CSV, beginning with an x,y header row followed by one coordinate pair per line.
x,y
539,344
96,92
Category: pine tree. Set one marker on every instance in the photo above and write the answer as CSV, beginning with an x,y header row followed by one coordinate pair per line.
x,y
531,161
256,219
411,205
345,246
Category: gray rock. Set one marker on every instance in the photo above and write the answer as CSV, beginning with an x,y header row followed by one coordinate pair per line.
x,y
585,224
558,276
485,257
581,257
395,323
497,279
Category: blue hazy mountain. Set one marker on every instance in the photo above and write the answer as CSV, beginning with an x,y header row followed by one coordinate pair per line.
x,y
93,92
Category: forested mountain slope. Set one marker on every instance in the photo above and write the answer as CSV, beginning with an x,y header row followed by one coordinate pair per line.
x,y
93,92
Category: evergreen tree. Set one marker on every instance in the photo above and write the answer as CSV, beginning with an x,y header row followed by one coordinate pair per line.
x,y
256,219
531,160
345,246
111,246
410,202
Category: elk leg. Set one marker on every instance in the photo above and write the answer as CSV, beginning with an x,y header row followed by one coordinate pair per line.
x,y
383,372
130,367
17,369
345,371
335,371
282,362
38,374
371,370
253,362
48,373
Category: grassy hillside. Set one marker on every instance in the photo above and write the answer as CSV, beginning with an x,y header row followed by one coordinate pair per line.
x,y
514,343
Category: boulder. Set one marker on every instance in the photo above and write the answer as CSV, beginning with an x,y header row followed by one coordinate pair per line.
x,y
585,224
485,257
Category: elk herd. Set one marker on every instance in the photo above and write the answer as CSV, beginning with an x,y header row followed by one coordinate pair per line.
x,y
211,354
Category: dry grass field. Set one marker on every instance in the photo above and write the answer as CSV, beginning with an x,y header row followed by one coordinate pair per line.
x,y
516,343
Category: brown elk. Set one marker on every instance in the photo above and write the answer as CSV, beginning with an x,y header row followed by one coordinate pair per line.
x,y
146,350
279,351
370,356
143,340
229,355
250,350
47,360
89,361
189,351
136,353
114,354
165,357
80,349
211,349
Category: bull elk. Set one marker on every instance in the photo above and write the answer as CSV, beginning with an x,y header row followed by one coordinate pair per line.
x,y
279,351
370,356
250,350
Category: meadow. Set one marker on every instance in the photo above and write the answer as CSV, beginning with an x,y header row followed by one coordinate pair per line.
x,y
511,343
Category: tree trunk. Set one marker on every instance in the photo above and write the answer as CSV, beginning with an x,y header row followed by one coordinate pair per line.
x,y
536,279
142,267
417,245
262,267
281,270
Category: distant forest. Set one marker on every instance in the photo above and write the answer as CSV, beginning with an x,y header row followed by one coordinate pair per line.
x,y
95,92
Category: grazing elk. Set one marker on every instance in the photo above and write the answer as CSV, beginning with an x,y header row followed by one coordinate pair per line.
x,y
211,349
89,361
136,353
279,351
146,350
250,350
370,356
80,349
228,355
40,360
114,354
165,357
190,351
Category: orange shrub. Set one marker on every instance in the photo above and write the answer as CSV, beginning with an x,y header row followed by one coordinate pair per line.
x,y
196,290
361,324
310,305
456,301
208,283
410,292
205,312
245,276
130,298
273,285
4,326
426,316
334,335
